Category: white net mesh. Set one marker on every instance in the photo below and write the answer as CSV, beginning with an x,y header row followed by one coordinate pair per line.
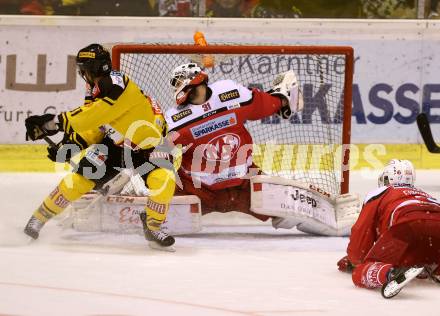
x,y
306,147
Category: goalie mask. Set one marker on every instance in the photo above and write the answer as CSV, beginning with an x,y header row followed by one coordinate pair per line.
x,y
184,79
397,172
93,62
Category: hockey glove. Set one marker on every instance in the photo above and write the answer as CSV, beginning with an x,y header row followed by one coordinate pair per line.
x,y
52,153
345,265
39,126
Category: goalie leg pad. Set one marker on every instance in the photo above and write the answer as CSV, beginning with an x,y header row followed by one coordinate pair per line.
x,y
120,214
312,210
304,224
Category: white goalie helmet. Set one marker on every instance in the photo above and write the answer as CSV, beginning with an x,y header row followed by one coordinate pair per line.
x,y
184,78
397,172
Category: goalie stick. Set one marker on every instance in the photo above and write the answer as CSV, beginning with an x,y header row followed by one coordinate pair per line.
x,y
425,131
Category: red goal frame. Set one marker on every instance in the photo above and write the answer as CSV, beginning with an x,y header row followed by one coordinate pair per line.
x,y
347,51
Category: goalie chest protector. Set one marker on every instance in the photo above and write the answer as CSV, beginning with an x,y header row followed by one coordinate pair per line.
x,y
214,133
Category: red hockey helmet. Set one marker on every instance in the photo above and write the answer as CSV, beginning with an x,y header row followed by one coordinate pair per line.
x,y
184,79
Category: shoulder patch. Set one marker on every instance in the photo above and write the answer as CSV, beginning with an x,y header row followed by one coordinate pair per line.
x,y
229,95
373,195
117,79
110,87
95,92
181,115
233,106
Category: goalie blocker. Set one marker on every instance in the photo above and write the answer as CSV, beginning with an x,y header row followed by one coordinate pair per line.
x,y
305,206
292,204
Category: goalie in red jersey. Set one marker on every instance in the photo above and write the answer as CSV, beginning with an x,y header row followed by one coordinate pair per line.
x,y
397,235
208,122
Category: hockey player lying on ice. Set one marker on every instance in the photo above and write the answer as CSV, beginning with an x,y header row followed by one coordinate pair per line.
x,y
107,128
208,121
397,235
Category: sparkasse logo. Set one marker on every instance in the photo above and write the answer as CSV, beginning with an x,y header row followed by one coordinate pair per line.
x,y
214,125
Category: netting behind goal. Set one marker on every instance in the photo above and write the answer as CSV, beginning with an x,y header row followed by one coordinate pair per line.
x,y
310,145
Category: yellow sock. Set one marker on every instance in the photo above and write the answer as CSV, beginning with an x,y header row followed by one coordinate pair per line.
x,y
71,188
161,183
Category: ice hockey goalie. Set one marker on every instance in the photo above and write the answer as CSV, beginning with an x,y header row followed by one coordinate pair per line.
x,y
208,121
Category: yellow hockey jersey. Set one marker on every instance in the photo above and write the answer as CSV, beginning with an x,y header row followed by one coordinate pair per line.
x,y
118,109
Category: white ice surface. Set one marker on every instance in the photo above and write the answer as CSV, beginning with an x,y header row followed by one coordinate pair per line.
x,y
228,269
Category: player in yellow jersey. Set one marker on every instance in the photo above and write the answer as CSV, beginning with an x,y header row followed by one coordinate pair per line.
x,y
117,127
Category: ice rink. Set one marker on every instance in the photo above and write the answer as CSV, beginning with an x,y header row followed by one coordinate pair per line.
x,y
227,269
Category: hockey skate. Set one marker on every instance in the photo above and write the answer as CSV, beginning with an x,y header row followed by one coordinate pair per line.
x,y
435,278
158,240
33,227
398,279
432,274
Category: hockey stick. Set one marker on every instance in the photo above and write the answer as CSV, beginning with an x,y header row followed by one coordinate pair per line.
x,y
50,141
425,131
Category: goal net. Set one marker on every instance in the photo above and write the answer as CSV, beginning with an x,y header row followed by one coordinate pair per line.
x,y
311,146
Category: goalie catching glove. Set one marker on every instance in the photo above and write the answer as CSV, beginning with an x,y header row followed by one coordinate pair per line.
x,y
286,86
40,126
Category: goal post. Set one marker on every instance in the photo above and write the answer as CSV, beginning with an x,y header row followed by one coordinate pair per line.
x,y
312,146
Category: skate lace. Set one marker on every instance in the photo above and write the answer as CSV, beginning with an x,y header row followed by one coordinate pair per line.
x,y
160,235
432,272
35,223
